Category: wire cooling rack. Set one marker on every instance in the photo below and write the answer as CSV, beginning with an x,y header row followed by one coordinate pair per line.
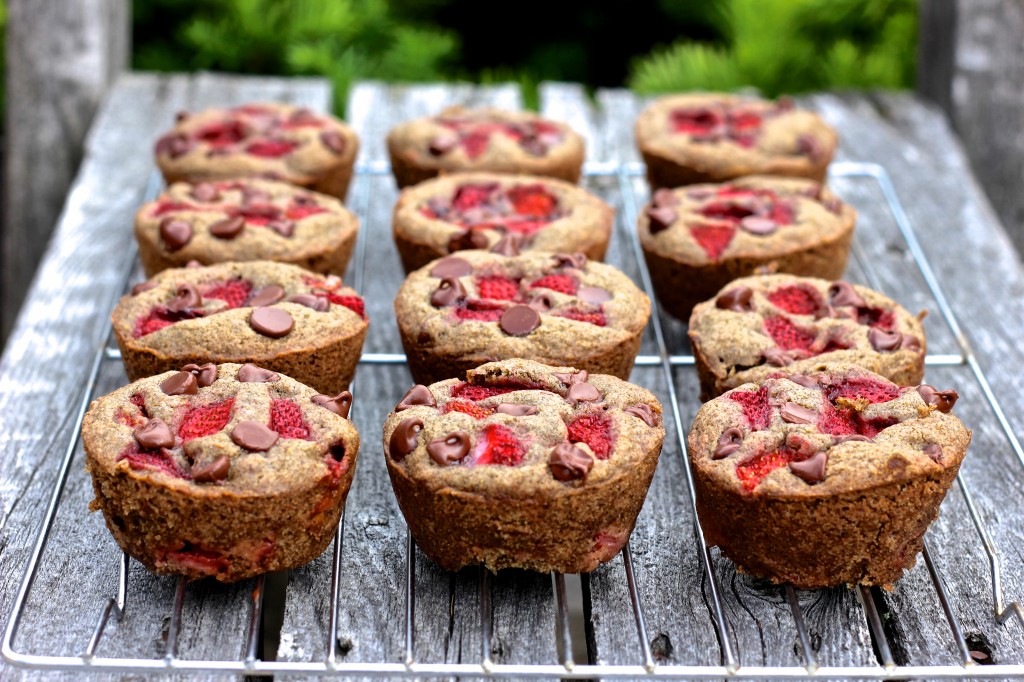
x,y
623,176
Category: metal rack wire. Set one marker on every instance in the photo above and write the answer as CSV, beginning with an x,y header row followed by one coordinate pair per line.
x,y
624,176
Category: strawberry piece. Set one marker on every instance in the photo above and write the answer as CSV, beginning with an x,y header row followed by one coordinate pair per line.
x,y
470,392
471,196
159,460
138,401
754,470
472,409
596,431
755,407
594,317
863,388
222,134
532,200
781,212
480,311
744,122
726,210
354,303
300,212
876,317
498,288
565,284
173,207
286,419
787,335
498,444
692,121
205,420
524,226
842,421
798,300
160,317
271,149
713,238
234,292
195,559
475,143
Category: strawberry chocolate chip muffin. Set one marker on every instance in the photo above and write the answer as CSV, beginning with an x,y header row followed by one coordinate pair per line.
x,y
284,318
275,141
245,219
824,478
687,139
460,139
224,471
698,239
523,465
482,210
760,325
561,309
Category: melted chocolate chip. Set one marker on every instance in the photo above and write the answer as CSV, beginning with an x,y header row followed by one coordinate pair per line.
x,y
804,380
660,218
571,260
143,286
794,413
583,392
467,239
417,395
664,197
449,292
317,303
811,470
204,374
271,322
569,463
519,320
516,410
728,443
253,436
333,140
175,233
942,401
339,404
777,357
809,146
451,266
909,342
644,413
594,295
228,228
268,295
569,379
934,451
206,192
541,302
187,298
759,225
403,438
533,145
214,471
884,341
442,144
250,373
851,437
737,300
842,293
509,245
285,228
452,448
180,383
155,434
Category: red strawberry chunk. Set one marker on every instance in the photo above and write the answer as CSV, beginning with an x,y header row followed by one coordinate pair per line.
x,y
498,444
286,419
160,317
470,392
173,207
596,431
694,120
524,226
271,149
595,317
744,121
876,317
472,409
534,201
300,212
713,238
205,420
565,284
841,421
159,460
782,213
475,143
796,299
222,134
498,288
754,470
787,335
193,558
138,401
234,292
726,210
863,388
470,196
354,303
480,311
755,407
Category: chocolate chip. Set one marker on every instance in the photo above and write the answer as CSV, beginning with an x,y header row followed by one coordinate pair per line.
x,y
174,145
417,395
253,436
228,228
250,373
728,443
934,451
205,191
594,295
333,140
285,228
842,293
214,471
154,434
569,463
175,233
452,448
884,341
664,197
794,413
204,374
660,218
467,239
254,195
339,404
317,303
943,401
509,245
737,300
272,322
143,286
541,302
777,357
644,413
519,320
442,144
451,266
570,379
804,380
533,145
187,298
516,410
583,392
909,342
180,383
403,438
808,146
447,293
811,470
851,437
268,295
571,260
758,225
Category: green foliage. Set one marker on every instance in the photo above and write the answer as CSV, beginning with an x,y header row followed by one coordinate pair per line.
x,y
782,46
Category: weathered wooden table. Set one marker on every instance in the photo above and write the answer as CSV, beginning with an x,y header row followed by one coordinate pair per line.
x,y
699,618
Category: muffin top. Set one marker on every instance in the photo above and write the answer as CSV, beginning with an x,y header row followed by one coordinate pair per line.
x,y
754,216
837,429
221,430
520,428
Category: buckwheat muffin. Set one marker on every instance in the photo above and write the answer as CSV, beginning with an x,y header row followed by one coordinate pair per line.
x,y
757,325
560,309
705,137
223,471
483,210
245,219
824,478
281,317
267,140
523,465
460,139
698,239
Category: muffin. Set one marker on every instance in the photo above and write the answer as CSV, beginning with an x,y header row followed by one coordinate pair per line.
x,y
698,239
705,137
759,325
281,317
460,139
226,471
274,141
247,219
824,478
481,210
560,309
523,465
